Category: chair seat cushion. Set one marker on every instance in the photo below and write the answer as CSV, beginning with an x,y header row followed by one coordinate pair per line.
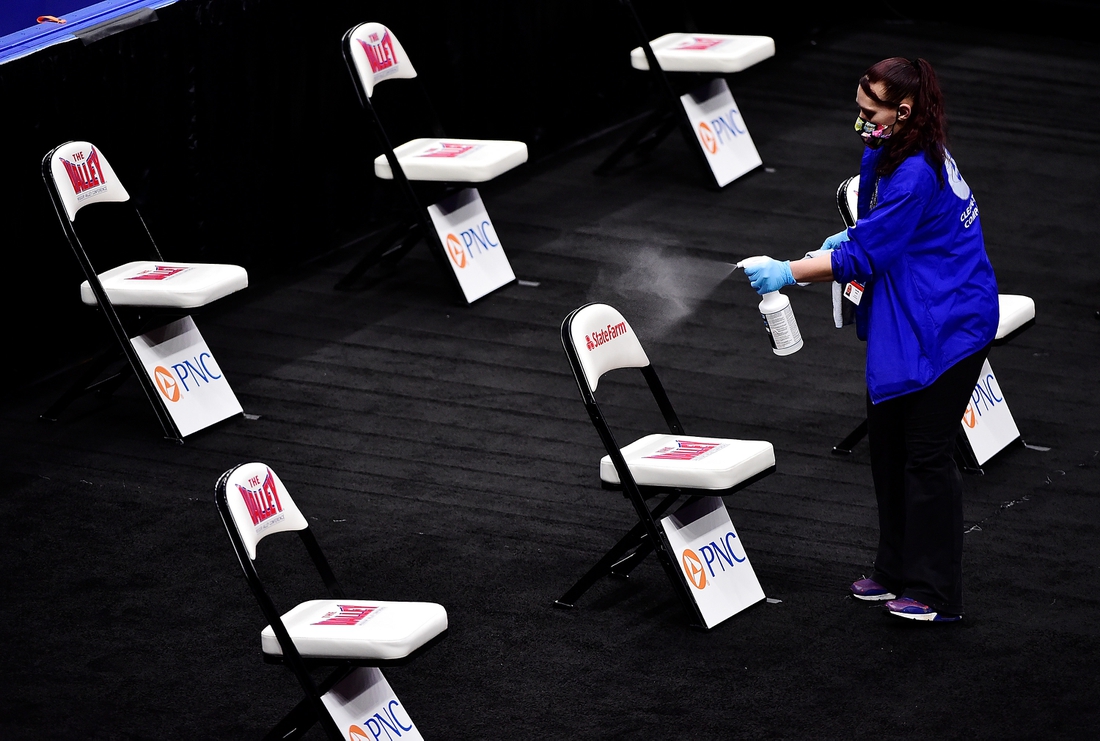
x,y
454,160
358,629
691,462
180,285
1016,311
709,52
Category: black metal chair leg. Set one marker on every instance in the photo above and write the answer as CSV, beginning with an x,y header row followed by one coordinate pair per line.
x,y
394,239
294,724
83,384
394,256
632,539
624,566
651,124
844,447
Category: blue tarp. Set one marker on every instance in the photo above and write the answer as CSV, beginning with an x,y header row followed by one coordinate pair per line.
x,y
29,36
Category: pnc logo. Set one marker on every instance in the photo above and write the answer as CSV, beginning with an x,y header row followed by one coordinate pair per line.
x,y
384,724
706,135
986,398
167,384
693,567
454,249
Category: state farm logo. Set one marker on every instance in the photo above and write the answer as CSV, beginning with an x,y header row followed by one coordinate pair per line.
x,y
348,615
448,150
85,174
262,500
686,450
455,251
693,567
707,137
166,382
603,336
159,272
379,51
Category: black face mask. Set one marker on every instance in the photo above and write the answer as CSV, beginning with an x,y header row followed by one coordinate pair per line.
x,y
874,135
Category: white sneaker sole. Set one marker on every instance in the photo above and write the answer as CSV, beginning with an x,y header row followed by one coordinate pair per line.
x,y
874,597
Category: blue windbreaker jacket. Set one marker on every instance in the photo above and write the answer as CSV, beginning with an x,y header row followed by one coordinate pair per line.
x,y
930,293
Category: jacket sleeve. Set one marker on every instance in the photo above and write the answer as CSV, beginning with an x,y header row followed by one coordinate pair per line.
x,y
882,237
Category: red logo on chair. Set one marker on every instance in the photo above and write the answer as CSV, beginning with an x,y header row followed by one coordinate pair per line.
x,y
685,450
699,43
159,272
448,149
706,135
969,417
167,383
263,501
693,567
379,52
84,174
603,336
454,249
348,615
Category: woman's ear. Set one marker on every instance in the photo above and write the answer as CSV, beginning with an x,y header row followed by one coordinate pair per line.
x,y
903,111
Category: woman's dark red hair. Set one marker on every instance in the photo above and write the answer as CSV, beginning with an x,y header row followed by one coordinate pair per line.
x,y
926,130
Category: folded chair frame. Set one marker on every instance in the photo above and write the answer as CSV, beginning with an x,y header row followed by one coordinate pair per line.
x,y
645,536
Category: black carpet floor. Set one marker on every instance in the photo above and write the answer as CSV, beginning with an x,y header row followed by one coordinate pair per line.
x,y
442,453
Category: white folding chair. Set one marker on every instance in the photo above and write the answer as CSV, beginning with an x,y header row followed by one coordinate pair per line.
x,y
128,280
435,170
695,100
662,467
352,637
1017,313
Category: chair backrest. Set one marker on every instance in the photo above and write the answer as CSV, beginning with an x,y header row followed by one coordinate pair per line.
x,y
847,200
376,55
258,504
79,174
598,339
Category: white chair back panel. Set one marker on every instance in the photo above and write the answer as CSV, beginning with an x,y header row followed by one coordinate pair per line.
x,y
359,629
378,55
851,193
82,176
454,160
1015,312
604,341
689,461
178,285
260,505
705,52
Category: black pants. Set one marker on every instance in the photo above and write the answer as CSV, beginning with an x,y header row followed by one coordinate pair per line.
x,y
919,487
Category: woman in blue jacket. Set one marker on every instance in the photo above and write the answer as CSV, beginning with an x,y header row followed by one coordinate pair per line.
x,y
928,313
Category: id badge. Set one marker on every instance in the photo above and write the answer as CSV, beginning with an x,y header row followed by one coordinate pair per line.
x,y
854,292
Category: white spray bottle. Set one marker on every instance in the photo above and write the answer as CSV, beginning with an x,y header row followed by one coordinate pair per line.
x,y
779,321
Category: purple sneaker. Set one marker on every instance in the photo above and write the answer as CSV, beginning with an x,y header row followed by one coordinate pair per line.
x,y
910,608
871,590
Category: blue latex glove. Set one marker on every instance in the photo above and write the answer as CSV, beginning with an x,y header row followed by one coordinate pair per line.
x,y
766,274
831,243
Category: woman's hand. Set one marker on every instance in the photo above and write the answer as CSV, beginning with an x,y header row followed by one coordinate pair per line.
x,y
766,274
831,243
